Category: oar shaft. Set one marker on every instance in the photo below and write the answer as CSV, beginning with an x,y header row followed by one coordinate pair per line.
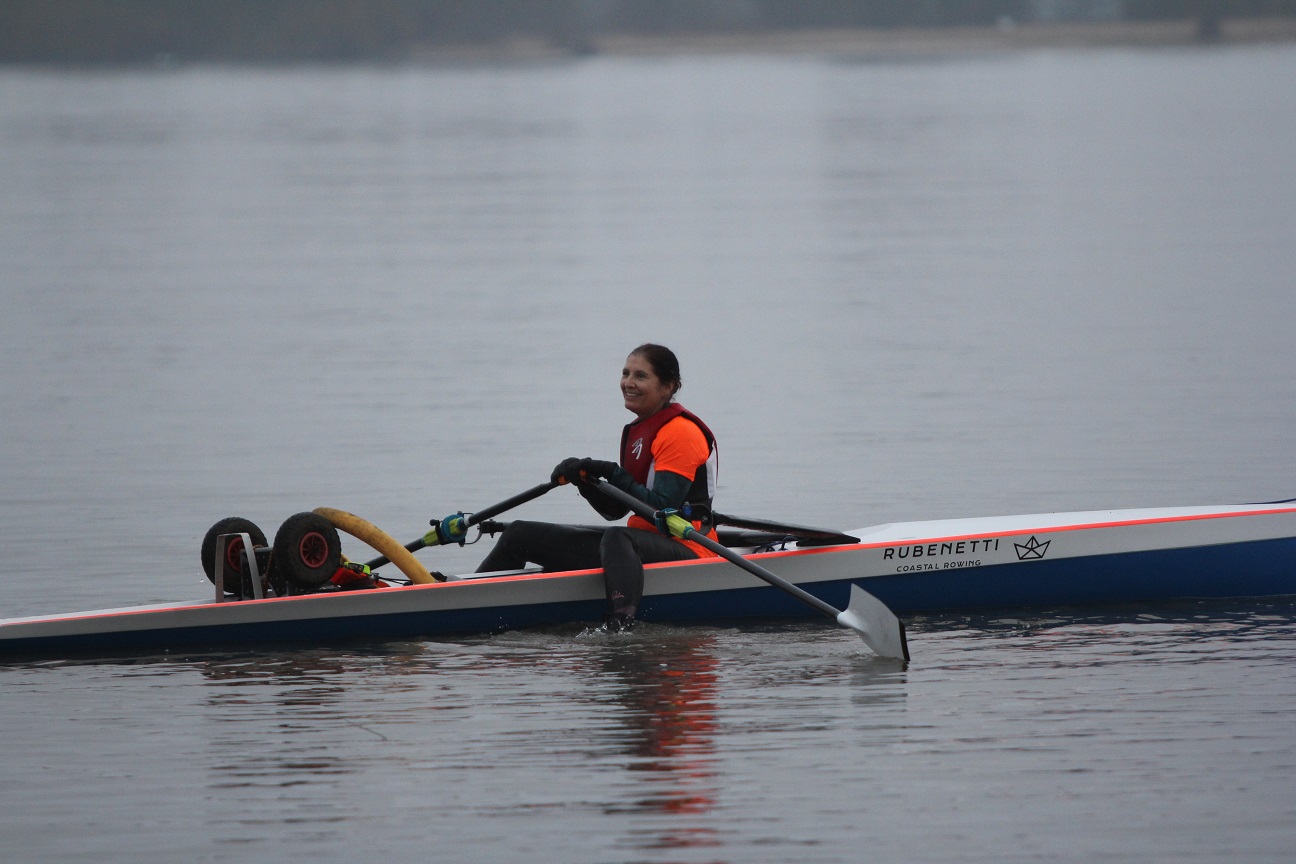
x,y
383,560
480,516
783,528
877,625
759,571
647,512
516,501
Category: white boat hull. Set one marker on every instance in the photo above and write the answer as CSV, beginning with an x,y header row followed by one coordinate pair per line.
x,y
1051,559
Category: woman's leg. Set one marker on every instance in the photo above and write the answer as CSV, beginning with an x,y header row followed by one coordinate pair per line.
x,y
623,552
553,547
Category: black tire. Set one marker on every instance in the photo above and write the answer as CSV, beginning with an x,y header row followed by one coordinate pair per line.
x,y
307,551
234,574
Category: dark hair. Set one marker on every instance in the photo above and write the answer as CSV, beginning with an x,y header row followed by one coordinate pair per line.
x,y
664,363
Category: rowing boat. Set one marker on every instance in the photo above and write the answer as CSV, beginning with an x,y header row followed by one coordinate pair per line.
x,y
1040,560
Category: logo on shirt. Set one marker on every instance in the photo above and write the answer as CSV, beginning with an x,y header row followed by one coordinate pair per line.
x,y
637,448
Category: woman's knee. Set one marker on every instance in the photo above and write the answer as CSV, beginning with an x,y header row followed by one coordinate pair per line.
x,y
522,532
616,539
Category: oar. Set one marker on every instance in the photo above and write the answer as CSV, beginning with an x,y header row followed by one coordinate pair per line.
x,y
461,523
823,535
868,616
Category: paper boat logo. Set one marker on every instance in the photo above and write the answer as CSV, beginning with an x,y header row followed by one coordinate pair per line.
x,y
1032,549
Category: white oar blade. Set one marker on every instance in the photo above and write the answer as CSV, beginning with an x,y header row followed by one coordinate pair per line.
x,y
877,625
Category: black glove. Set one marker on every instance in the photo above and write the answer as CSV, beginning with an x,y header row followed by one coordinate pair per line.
x,y
597,468
566,471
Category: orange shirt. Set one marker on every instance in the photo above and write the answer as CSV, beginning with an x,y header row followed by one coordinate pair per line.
x,y
680,448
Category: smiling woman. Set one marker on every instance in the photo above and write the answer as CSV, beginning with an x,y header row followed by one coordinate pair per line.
x,y
668,460
650,380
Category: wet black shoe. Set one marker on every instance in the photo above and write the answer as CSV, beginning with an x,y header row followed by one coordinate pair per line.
x,y
618,623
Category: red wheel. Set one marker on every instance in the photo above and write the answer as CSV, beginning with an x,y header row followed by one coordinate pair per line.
x,y
314,550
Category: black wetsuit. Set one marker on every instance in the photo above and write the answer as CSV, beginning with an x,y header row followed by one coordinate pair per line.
x,y
620,550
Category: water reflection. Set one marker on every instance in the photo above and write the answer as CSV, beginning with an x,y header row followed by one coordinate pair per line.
x,y
879,682
668,692
249,749
1066,641
281,726
1192,621
278,718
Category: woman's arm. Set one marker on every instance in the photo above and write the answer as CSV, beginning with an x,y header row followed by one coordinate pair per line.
x,y
668,490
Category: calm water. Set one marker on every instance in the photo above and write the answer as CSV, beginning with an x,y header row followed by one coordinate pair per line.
x,y
948,287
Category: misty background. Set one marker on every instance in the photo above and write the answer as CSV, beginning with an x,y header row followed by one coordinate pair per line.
x,y
149,31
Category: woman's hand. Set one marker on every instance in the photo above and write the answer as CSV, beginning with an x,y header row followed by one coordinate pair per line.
x,y
597,468
566,471
573,469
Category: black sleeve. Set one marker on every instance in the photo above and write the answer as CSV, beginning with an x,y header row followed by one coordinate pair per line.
x,y
669,491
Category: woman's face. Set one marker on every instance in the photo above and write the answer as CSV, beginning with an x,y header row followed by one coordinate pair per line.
x,y
645,394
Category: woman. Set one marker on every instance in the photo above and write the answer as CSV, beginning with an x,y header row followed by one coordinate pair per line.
x,y
668,459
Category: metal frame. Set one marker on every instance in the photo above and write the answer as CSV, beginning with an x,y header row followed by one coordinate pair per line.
x,y
250,566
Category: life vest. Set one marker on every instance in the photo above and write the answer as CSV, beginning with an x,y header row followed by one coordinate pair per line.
x,y
637,459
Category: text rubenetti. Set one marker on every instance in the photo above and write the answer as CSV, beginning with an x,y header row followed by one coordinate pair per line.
x,y
935,550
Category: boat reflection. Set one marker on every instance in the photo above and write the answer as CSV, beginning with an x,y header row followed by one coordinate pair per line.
x,y
667,688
